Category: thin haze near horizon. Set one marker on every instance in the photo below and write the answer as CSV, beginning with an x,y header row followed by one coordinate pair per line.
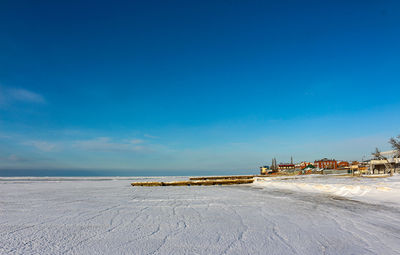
x,y
195,86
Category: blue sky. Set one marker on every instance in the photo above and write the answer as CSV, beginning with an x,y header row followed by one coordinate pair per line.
x,y
195,85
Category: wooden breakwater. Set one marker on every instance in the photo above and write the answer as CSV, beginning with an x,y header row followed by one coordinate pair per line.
x,y
195,182
233,177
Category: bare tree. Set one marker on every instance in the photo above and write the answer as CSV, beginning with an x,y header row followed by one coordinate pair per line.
x,y
377,154
395,142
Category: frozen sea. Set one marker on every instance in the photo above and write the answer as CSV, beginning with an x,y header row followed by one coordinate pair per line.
x,y
313,215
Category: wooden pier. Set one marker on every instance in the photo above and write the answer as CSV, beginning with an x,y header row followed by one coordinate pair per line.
x,y
233,177
196,182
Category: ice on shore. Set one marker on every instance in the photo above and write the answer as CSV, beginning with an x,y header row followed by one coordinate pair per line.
x,y
286,216
370,189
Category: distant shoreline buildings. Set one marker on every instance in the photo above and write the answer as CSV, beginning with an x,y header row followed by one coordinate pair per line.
x,y
388,162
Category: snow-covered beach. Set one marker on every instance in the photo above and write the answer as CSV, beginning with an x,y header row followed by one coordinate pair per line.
x,y
311,215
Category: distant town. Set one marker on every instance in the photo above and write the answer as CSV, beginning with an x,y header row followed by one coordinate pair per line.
x,y
387,162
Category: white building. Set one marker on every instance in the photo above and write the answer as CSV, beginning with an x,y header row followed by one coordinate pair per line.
x,y
378,166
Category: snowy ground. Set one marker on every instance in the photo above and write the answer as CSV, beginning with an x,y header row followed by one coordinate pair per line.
x,y
369,189
309,215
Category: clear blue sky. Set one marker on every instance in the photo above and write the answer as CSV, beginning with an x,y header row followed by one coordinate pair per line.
x,y
195,85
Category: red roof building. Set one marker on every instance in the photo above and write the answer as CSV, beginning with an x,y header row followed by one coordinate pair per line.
x,y
305,164
326,163
343,164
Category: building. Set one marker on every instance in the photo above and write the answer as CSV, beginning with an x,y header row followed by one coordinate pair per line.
x,y
343,164
304,164
390,164
326,163
354,167
363,168
286,167
359,167
264,170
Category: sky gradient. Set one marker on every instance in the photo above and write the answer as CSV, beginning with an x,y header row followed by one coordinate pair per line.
x,y
195,86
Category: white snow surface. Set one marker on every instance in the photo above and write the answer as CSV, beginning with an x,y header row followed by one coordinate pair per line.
x,y
372,188
302,215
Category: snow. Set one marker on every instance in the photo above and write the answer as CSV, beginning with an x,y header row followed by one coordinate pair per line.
x,y
273,216
372,188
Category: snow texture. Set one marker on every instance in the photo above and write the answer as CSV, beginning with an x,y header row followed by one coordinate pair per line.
x,y
309,215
